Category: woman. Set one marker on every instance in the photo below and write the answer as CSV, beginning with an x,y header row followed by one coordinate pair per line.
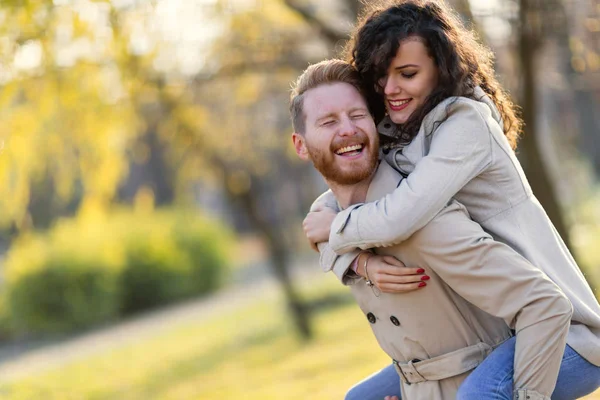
x,y
447,125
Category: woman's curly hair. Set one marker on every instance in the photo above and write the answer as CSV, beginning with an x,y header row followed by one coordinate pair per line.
x,y
463,63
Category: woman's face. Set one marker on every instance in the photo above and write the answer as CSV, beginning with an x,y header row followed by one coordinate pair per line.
x,y
411,77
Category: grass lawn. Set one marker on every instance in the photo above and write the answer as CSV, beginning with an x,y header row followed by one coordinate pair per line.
x,y
250,353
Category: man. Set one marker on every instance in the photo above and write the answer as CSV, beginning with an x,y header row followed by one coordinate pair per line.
x,y
436,337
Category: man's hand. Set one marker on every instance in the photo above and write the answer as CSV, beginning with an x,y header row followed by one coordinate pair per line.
x,y
317,225
390,398
390,275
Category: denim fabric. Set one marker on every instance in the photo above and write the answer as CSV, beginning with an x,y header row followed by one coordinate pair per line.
x,y
385,382
493,379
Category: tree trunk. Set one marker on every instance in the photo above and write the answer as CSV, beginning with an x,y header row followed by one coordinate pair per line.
x,y
533,163
279,260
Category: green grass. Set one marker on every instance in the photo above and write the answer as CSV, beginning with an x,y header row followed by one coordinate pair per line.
x,y
251,353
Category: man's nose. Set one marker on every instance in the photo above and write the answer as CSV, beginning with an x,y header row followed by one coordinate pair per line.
x,y
347,127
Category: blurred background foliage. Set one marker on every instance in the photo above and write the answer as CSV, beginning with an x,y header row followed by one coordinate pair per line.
x,y
137,135
95,269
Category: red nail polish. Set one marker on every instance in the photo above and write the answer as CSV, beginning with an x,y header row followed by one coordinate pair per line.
x,y
420,271
425,278
422,284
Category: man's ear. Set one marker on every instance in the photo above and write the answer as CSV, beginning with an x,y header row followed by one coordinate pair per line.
x,y
300,146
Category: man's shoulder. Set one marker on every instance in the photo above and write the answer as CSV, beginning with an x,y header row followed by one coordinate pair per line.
x,y
326,199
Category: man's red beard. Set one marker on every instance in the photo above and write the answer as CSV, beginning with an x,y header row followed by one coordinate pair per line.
x,y
326,163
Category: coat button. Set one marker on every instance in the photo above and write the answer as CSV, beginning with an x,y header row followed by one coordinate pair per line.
x,y
395,320
371,318
386,150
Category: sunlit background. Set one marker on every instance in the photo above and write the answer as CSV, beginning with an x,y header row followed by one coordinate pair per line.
x,y
151,202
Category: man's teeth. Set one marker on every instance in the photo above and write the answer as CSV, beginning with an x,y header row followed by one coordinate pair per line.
x,y
348,149
397,103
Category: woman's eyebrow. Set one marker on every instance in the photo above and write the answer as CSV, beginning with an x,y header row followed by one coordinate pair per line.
x,y
406,66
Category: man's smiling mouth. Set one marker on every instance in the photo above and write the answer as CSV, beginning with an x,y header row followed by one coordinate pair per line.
x,y
352,150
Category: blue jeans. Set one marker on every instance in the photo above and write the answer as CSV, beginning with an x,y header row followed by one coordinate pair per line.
x,y
492,379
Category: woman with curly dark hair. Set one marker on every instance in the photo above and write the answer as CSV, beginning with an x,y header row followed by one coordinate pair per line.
x,y
447,125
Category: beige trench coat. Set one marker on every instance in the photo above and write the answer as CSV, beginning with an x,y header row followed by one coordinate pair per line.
x,y
467,157
467,269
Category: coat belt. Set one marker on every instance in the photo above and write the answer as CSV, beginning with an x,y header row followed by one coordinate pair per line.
x,y
444,366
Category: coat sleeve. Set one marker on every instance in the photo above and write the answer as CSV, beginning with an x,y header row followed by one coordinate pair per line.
x,y
328,259
460,150
498,280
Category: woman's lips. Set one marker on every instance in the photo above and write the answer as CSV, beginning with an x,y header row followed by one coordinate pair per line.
x,y
398,105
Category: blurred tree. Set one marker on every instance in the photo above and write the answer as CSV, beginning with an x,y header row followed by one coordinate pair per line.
x,y
66,119
537,19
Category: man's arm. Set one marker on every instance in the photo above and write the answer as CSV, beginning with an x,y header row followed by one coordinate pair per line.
x,y
498,280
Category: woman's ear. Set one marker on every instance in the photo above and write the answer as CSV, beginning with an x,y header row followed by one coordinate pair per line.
x,y
300,146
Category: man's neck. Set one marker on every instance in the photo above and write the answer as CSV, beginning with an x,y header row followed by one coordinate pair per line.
x,y
348,195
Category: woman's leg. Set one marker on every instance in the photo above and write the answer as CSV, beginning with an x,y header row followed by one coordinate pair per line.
x,y
577,377
493,379
385,382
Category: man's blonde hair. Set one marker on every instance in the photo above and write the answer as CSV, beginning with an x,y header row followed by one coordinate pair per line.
x,y
322,73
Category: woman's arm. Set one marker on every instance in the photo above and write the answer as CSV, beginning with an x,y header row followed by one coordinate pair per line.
x,y
388,273
460,150
495,278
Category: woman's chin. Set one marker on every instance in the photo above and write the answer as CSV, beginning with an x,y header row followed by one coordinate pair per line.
x,y
398,119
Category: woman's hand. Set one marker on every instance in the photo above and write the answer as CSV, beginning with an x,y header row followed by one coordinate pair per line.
x,y
317,225
390,275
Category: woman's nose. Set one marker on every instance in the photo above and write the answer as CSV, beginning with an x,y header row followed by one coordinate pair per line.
x,y
390,87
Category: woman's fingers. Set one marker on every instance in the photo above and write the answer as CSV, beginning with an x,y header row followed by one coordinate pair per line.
x,y
401,287
393,261
381,266
384,278
317,225
391,278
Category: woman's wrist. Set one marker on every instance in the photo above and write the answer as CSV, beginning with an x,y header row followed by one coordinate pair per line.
x,y
358,266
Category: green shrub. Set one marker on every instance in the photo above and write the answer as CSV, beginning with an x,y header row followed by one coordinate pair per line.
x,y
52,288
84,272
156,272
208,248
5,329
68,293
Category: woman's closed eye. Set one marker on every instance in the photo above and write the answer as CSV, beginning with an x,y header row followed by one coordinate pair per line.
x,y
408,75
